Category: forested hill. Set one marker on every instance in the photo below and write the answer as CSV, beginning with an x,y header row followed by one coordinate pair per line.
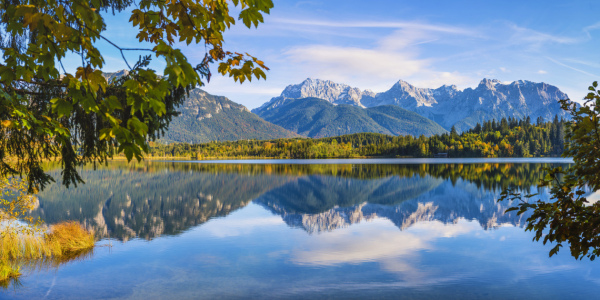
x,y
318,118
506,138
205,117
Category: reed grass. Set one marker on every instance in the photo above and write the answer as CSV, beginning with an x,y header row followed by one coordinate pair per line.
x,y
64,242
23,246
8,272
64,239
69,238
25,243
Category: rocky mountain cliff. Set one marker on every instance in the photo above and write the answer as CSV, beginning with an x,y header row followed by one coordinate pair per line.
x,y
205,117
335,93
446,105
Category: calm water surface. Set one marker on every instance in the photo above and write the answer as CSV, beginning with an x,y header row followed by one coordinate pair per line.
x,y
288,229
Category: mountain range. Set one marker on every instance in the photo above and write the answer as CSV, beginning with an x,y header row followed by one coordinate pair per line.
x,y
318,118
447,105
322,108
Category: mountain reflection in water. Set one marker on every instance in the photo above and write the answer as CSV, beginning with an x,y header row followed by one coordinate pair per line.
x,y
152,199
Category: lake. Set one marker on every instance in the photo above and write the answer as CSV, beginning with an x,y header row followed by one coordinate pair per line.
x,y
392,228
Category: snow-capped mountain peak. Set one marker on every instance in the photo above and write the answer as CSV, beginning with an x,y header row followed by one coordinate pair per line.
x,y
446,105
335,93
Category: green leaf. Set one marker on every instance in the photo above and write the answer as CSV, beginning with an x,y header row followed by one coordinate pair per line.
x,y
137,126
61,107
113,103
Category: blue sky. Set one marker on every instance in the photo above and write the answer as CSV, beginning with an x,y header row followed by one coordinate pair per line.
x,y
373,44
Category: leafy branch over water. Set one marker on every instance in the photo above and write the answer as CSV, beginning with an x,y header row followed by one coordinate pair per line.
x,y
570,218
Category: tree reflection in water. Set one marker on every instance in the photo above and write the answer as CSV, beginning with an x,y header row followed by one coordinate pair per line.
x,y
151,199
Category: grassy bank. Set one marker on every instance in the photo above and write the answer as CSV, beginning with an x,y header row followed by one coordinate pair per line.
x,y
63,242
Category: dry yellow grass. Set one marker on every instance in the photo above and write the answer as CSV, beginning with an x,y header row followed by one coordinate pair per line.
x,y
16,246
25,243
69,238
8,272
65,241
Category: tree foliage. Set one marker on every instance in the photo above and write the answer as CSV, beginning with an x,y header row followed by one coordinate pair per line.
x,y
15,205
80,117
570,218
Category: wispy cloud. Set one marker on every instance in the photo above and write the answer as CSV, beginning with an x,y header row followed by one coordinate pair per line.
x,y
405,38
589,64
570,67
307,3
392,57
341,62
380,24
592,27
527,35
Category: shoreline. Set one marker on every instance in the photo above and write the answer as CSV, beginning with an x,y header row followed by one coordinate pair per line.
x,y
363,160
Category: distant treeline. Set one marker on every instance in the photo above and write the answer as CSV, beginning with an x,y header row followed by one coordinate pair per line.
x,y
505,138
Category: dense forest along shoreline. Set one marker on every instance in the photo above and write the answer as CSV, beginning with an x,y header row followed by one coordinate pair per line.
x,y
375,160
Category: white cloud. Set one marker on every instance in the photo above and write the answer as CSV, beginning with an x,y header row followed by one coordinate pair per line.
x,y
593,198
396,252
250,94
336,247
338,63
393,57
542,72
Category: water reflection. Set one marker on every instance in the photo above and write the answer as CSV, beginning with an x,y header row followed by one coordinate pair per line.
x,y
305,231
398,253
151,199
